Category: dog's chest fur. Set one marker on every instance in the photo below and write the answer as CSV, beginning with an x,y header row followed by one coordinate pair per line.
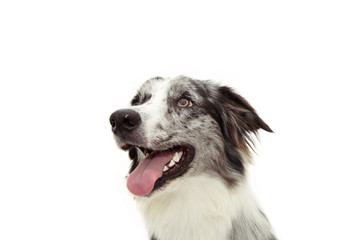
x,y
203,208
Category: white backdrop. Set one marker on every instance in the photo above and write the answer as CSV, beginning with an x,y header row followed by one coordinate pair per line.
x,y
65,66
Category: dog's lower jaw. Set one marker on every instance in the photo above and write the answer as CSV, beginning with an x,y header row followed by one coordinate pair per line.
x,y
204,208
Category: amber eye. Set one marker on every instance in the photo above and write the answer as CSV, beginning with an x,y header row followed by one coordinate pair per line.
x,y
184,103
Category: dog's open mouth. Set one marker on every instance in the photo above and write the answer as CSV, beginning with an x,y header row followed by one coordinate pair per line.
x,y
158,167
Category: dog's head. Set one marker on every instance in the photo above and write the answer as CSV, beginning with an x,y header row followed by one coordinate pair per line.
x,y
182,126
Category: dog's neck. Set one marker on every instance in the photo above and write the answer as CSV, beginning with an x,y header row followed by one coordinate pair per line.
x,y
202,207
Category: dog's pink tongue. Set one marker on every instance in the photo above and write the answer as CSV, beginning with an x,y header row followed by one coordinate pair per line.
x,y
142,180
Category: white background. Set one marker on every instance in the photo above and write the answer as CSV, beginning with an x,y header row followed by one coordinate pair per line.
x,y
65,66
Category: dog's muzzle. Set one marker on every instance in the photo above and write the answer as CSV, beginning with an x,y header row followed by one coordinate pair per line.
x,y
124,121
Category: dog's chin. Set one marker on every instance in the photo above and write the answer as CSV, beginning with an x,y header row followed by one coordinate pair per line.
x,y
164,166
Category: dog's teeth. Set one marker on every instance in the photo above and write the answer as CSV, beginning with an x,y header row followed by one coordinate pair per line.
x,y
165,169
176,157
147,154
172,163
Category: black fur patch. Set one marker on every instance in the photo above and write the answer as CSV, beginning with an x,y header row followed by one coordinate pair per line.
x,y
135,100
133,155
237,120
246,113
140,99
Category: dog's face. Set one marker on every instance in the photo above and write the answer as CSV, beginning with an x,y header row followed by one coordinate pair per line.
x,y
178,127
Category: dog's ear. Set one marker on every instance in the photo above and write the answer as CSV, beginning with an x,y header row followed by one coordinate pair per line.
x,y
242,112
238,118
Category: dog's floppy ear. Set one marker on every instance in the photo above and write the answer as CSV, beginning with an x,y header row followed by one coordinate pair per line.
x,y
242,110
238,118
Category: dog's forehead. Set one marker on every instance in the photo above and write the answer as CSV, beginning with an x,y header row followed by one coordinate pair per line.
x,y
169,86
152,84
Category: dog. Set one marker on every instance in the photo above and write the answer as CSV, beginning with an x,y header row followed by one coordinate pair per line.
x,y
190,142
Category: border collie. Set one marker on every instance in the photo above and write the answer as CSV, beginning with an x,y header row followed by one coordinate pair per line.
x,y
190,142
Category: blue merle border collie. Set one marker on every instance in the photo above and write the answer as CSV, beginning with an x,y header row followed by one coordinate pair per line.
x,y
190,143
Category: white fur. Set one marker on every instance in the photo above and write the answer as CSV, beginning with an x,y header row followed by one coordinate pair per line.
x,y
206,202
152,112
199,208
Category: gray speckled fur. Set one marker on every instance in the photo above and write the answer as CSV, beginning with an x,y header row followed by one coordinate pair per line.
x,y
218,125
191,126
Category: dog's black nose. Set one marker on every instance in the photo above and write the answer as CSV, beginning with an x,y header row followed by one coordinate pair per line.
x,y
124,120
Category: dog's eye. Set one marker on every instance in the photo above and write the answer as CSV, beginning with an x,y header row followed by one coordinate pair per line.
x,y
183,103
